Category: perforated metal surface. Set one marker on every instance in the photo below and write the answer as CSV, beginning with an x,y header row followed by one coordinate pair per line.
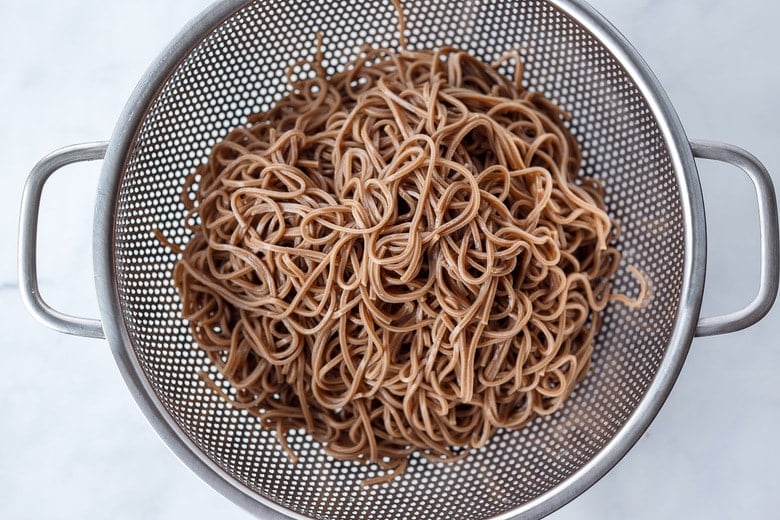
x,y
239,69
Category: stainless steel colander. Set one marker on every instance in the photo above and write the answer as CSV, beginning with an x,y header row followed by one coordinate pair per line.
x,y
229,63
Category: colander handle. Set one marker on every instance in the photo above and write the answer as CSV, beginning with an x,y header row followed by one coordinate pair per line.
x,y
770,241
28,235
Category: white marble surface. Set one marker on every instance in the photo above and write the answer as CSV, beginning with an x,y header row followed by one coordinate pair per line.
x,y
74,445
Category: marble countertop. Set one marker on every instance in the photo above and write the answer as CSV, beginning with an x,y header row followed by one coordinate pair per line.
x,y
73,444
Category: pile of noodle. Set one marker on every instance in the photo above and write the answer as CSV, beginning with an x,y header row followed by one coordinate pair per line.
x,y
400,257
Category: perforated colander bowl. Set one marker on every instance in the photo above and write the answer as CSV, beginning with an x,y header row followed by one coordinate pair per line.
x,y
229,63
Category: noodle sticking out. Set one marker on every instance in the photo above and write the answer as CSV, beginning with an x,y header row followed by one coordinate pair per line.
x,y
401,257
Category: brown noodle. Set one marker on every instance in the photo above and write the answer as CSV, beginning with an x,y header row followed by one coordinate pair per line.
x,y
400,257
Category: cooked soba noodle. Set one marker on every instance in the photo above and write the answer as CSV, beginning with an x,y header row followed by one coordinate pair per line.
x,y
400,257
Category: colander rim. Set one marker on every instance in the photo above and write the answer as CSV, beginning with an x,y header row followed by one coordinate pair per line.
x,y
118,337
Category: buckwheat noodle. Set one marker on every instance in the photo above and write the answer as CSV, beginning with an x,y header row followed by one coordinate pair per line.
x,y
400,257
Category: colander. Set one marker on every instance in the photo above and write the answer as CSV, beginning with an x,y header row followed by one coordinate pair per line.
x,y
230,62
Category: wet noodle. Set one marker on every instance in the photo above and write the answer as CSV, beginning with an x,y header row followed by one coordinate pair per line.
x,y
400,257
